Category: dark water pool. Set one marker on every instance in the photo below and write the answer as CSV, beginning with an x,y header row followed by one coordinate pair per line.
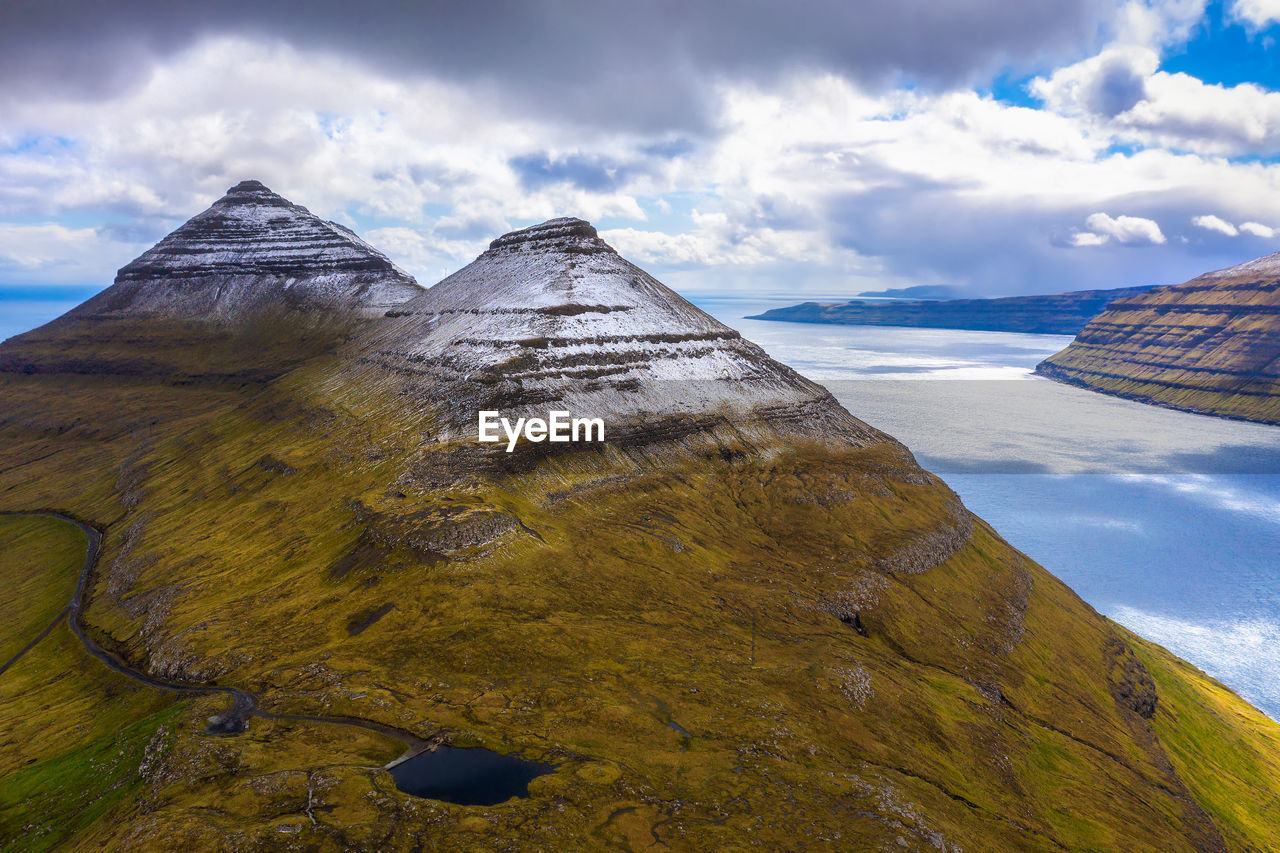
x,y
468,776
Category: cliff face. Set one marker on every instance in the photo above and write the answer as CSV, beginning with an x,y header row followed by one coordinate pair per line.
x,y
1049,314
726,628
1211,345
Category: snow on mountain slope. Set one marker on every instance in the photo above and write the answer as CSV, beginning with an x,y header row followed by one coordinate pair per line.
x,y
552,317
254,251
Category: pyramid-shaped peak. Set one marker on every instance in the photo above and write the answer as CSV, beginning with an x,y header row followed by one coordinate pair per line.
x,y
564,231
559,279
255,250
253,192
551,316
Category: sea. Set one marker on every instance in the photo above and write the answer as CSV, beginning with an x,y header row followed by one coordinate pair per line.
x,y
25,308
1167,522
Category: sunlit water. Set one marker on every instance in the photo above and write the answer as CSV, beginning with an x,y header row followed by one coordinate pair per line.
x,y
1165,521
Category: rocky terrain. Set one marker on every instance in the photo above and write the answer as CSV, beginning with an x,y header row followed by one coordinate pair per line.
x,y
552,317
254,251
243,290
1045,314
746,620
1211,345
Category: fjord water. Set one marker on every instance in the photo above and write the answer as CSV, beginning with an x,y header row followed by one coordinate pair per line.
x,y
1165,521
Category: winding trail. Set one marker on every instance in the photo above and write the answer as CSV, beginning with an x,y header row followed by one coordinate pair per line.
x,y
243,704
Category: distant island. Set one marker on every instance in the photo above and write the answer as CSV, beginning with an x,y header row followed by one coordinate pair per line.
x,y
1044,314
930,292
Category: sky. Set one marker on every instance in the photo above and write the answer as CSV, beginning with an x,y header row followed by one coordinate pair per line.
x,y
737,147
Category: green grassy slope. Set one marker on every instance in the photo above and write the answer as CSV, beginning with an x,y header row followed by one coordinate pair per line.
x,y
39,564
73,734
721,642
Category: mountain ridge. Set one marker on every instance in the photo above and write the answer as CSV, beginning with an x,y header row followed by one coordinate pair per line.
x,y
1210,345
732,631
253,273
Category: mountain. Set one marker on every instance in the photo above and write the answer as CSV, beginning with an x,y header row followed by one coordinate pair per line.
x,y
1046,314
252,271
551,316
254,251
1211,345
918,291
744,619
234,298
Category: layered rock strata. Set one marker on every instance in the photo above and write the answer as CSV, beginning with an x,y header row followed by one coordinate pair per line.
x,y
1211,345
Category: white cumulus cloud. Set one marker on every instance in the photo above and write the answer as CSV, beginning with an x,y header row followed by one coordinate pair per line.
x,y
1111,83
1257,229
1127,230
1258,14
1210,222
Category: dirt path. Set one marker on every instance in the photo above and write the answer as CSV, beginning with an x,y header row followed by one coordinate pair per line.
x,y
243,705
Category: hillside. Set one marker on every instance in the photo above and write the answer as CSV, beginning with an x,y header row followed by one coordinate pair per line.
x,y
745,620
1211,345
1045,314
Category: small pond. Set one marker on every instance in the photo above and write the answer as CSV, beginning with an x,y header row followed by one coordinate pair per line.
x,y
468,776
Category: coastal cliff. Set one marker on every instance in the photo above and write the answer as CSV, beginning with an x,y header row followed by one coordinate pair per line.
x,y
1211,345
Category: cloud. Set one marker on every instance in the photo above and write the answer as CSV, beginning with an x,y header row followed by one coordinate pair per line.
x,y
1258,14
1088,238
1111,83
50,253
584,171
593,61
1157,23
1222,226
1121,93
1127,230
1182,111
813,178
1214,223
717,239
1257,229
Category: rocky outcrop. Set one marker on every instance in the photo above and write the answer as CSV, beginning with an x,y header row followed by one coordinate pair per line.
x,y
1211,345
254,251
551,317
1044,314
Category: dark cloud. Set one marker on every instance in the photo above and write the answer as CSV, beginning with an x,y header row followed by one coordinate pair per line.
x,y
926,231
1118,88
602,61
